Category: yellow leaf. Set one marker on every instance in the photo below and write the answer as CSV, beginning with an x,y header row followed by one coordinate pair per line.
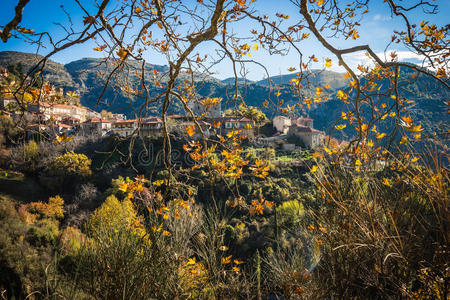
x,y
318,91
327,150
381,135
226,260
255,47
403,140
417,128
328,62
158,182
386,182
342,95
294,81
137,10
340,127
313,169
123,187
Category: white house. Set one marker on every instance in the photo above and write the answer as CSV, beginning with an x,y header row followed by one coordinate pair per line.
x,y
96,126
51,109
151,127
282,124
125,128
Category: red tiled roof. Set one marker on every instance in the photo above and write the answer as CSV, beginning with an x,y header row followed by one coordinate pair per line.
x,y
244,119
125,121
64,126
235,119
152,120
58,115
72,119
97,120
176,116
303,119
46,104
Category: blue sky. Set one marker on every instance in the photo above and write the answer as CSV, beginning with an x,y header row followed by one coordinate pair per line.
x,y
376,31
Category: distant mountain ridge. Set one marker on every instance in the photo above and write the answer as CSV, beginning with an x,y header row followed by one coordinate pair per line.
x,y
83,75
315,77
53,71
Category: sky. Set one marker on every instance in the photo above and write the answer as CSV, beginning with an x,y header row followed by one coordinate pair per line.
x,y
376,31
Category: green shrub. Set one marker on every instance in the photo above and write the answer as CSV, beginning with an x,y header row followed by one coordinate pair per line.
x,y
290,213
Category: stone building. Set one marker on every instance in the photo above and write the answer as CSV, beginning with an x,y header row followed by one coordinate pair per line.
x,y
310,137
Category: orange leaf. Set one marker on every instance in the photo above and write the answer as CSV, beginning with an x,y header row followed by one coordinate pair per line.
x,y
190,130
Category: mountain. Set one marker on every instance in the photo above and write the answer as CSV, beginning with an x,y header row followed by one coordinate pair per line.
x,y
53,72
231,80
315,77
429,106
89,76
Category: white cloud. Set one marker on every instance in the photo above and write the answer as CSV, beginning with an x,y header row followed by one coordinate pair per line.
x,y
379,17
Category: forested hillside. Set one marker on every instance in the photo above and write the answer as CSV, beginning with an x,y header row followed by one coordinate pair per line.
x,y
88,76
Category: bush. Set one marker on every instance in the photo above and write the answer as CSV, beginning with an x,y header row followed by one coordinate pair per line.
x,y
290,213
71,165
27,249
381,231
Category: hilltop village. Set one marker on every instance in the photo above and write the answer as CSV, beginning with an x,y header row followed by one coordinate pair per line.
x,y
60,113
